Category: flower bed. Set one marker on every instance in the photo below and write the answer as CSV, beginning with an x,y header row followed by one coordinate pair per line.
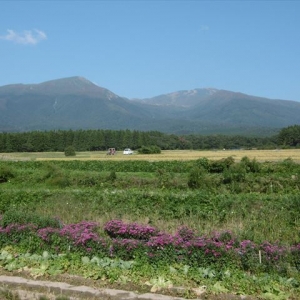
x,y
129,241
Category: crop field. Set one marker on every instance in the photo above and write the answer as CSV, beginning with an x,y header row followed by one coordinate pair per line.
x,y
259,155
225,220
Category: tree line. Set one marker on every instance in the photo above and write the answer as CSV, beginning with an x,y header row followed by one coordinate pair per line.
x,y
97,140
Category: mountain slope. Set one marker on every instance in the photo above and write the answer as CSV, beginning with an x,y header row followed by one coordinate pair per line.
x,y
237,108
69,103
77,103
220,108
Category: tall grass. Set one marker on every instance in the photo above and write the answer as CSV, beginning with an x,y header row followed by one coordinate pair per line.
x,y
261,205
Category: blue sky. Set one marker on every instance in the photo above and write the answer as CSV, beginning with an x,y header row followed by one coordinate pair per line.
x,y
140,49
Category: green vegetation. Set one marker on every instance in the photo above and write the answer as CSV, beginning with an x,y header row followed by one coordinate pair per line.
x,y
95,140
228,205
70,151
5,174
145,142
290,136
232,207
149,150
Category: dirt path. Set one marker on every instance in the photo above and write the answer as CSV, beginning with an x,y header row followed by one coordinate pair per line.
x,y
34,289
19,288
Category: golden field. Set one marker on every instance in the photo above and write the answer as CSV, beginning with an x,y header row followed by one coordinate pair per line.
x,y
259,155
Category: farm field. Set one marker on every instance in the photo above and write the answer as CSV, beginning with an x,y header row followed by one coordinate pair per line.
x,y
259,155
226,220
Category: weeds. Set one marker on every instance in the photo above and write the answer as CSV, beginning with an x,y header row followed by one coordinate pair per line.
x,y
6,294
196,221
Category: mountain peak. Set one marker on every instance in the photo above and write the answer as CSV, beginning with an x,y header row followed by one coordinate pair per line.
x,y
183,98
73,84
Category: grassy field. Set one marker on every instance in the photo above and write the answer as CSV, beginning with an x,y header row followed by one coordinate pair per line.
x,y
245,207
259,155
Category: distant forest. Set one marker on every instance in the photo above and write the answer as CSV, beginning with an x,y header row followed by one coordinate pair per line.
x,y
97,140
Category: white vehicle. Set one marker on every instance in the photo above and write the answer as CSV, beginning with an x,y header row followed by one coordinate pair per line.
x,y
127,151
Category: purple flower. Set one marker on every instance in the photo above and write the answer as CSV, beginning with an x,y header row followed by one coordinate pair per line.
x,y
118,229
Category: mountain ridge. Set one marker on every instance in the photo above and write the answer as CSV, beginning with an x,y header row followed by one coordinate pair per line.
x,y
77,103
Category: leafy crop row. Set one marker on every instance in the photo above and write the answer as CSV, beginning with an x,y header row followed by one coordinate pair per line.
x,y
129,247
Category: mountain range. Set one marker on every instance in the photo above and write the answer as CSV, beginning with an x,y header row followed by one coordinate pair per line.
x,y
77,103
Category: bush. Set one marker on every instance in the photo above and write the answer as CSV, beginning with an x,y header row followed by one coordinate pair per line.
x,y
70,151
55,176
251,165
149,150
235,173
196,177
112,176
60,181
13,216
164,178
219,166
5,174
202,162
119,229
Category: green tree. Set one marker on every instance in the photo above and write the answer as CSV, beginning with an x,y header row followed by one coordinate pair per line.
x,y
149,150
70,151
289,136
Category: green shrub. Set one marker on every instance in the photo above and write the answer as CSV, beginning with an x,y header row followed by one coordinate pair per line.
x,y
202,162
13,216
52,170
288,165
112,176
149,150
60,181
251,165
164,178
55,176
5,174
70,151
235,173
196,178
219,166
87,180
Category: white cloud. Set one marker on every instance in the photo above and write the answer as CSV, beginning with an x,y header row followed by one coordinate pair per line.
x,y
27,37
